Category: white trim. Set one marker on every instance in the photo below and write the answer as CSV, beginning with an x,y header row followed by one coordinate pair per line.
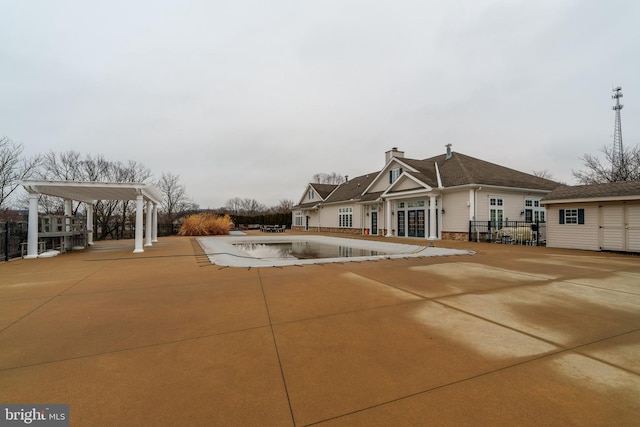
x,y
384,170
425,186
440,186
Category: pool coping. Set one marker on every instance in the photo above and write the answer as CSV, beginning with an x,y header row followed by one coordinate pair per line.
x,y
221,250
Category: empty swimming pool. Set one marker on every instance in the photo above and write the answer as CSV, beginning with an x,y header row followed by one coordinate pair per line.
x,y
276,251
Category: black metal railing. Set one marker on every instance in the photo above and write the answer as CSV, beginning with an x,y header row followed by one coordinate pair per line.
x,y
13,235
510,232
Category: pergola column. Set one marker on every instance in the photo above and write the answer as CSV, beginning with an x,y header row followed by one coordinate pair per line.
x,y
90,224
32,235
148,223
139,224
154,226
68,209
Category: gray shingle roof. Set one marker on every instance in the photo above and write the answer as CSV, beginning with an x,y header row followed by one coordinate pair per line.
x,y
352,189
455,171
323,190
461,169
595,191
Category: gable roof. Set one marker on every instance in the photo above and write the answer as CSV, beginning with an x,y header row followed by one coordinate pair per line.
x,y
458,170
323,190
610,190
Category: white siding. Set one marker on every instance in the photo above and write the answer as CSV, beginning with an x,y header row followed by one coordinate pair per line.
x,y
456,211
633,228
407,184
513,203
313,219
573,236
316,198
330,213
383,179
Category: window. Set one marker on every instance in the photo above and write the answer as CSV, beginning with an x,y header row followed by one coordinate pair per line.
x,y
311,194
534,211
496,211
394,174
571,216
298,219
345,217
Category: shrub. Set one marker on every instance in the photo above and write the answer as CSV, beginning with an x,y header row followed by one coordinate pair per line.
x,y
206,224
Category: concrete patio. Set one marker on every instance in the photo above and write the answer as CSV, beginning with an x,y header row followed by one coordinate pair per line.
x,y
511,335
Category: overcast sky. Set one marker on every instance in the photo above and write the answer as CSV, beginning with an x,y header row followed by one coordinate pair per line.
x,y
252,98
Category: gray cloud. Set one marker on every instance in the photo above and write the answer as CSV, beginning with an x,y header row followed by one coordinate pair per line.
x,y
250,99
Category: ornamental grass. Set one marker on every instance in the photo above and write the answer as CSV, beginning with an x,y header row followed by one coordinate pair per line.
x,y
206,224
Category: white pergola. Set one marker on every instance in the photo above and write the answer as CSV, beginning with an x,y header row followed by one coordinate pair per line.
x,y
89,193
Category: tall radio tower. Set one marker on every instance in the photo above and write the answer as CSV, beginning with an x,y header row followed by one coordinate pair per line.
x,y
619,166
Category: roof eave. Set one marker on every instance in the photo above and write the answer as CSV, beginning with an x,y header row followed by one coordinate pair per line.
x,y
594,199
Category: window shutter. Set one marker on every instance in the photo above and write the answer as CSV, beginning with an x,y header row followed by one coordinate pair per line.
x,y
390,177
561,216
580,216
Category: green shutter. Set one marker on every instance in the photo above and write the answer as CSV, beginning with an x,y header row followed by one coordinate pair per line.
x,y
580,216
561,216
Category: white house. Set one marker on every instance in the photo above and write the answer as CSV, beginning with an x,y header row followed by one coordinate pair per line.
x,y
434,198
595,217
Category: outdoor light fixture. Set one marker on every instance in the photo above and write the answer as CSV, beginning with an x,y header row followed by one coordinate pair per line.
x,y
442,211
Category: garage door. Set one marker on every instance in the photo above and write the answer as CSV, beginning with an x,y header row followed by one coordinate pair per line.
x,y
612,228
633,228
620,228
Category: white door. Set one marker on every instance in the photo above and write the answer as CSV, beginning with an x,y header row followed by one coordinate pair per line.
x,y
633,228
612,228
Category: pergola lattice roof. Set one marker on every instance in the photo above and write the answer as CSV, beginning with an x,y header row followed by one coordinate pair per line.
x,y
90,191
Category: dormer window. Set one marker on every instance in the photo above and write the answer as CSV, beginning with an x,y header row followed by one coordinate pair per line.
x,y
311,194
394,174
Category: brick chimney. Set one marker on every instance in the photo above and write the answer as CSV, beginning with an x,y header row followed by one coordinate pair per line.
x,y
392,153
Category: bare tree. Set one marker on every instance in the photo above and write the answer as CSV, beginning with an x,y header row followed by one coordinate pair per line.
x,y
599,171
543,174
284,206
13,167
251,207
175,198
328,178
233,206
63,166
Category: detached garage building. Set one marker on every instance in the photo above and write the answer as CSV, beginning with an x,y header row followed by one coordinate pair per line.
x,y
598,217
